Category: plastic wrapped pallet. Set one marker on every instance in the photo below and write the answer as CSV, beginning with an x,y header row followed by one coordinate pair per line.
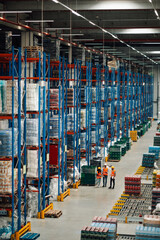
x,y
6,177
32,163
3,124
83,118
22,128
32,202
9,96
54,123
3,88
6,142
32,97
32,132
151,220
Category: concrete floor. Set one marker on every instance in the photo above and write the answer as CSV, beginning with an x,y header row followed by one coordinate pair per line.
x,y
87,202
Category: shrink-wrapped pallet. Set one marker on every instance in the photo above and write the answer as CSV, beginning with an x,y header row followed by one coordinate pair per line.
x,y
6,177
32,132
54,126
32,202
6,142
22,128
32,163
9,96
3,124
3,97
32,97
83,118
151,220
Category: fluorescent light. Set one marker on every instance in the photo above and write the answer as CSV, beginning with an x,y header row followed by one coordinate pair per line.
x,y
39,21
72,34
156,12
92,23
150,1
15,12
104,30
76,13
55,1
83,40
15,35
50,29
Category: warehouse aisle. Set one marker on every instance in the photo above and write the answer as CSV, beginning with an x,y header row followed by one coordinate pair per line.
x,y
87,202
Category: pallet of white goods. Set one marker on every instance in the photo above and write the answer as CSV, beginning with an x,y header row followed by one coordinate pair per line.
x,y
3,124
32,163
32,97
32,132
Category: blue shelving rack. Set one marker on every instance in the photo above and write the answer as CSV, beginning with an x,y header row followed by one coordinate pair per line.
x,y
118,115
123,103
131,103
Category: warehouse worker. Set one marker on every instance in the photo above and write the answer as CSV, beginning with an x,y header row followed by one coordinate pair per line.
x,y
112,177
99,175
105,175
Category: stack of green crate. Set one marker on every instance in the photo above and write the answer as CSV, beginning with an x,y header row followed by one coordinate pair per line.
x,y
115,152
88,175
128,142
123,146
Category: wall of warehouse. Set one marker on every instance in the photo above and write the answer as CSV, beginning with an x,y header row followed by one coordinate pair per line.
x,y
156,92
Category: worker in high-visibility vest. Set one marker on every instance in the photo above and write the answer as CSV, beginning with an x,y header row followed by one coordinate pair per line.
x,y
99,176
105,175
112,178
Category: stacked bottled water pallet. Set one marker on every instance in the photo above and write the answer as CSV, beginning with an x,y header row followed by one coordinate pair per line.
x,y
156,150
147,233
148,160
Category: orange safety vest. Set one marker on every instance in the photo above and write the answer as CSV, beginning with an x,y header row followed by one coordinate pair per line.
x,y
98,175
113,173
105,171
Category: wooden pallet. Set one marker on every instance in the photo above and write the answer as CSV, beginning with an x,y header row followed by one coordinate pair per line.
x,y
53,213
114,160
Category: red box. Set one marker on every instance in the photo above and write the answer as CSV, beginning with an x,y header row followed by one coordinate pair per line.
x,y
53,154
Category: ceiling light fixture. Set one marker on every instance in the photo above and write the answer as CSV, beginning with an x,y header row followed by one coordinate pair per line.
x,y
50,29
15,12
79,15
55,1
36,21
72,34
83,40
92,23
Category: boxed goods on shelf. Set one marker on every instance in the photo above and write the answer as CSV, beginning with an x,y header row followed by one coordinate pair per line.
x,y
147,233
158,179
3,87
32,131
83,118
70,96
32,163
133,185
6,177
156,150
32,202
54,98
88,175
155,197
22,128
148,160
151,220
32,97
6,142
83,140
53,156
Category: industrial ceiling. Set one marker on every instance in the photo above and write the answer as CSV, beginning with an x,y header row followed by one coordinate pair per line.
x,y
136,23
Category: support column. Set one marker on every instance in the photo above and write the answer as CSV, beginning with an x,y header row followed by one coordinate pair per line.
x,y
104,59
58,42
83,56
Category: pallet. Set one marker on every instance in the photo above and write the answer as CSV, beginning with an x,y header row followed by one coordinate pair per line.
x,y
30,236
113,160
21,232
53,214
43,212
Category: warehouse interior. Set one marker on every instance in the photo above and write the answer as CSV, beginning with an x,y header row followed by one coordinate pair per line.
x,y
79,105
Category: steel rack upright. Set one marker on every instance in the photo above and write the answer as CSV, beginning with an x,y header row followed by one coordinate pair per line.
x,y
134,99
112,104
123,102
118,115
